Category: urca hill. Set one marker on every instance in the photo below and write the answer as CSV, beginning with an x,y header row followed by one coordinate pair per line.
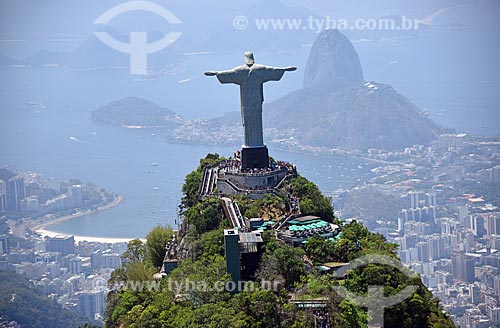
x,y
337,108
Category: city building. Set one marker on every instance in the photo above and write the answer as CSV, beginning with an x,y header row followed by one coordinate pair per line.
x,y
30,204
463,267
75,265
111,260
96,261
453,141
4,244
92,304
62,244
75,195
3,196
413,199
16,192
492,224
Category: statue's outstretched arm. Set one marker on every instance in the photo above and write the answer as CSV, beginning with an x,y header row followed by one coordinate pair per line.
x,y
229,76
275,73
215,73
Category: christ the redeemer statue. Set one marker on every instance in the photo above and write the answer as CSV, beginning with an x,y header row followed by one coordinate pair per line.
x,y
251,77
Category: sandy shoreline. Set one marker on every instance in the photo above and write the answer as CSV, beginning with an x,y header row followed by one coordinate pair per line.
x,y
111,240
40,226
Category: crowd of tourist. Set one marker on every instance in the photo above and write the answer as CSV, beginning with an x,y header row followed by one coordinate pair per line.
x,y
234,166
294,204
289,166
230,166
321,319
261,171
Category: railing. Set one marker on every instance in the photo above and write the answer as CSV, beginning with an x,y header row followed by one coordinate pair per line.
x,y
232,212
203,182
208,181
261,174
249,191
211,176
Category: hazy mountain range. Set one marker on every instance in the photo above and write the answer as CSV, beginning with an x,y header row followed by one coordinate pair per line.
x,y
336,108
446,43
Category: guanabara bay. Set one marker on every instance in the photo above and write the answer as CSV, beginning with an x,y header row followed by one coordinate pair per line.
x,y
249,164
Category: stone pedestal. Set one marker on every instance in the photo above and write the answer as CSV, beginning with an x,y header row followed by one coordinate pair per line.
x,y
254,157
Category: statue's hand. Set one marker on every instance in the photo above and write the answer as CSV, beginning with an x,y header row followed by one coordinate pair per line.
x,y
290,68
210,73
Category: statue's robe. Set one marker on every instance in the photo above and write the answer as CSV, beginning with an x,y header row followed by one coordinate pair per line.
x,y
250,79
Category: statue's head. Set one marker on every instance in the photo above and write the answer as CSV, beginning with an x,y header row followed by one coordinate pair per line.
x,y
249,58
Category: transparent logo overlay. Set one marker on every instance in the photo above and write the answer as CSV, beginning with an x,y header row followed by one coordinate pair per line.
x,y
138,48
374,300
319,24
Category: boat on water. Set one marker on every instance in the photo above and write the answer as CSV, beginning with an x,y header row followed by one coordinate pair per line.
x,y
36,104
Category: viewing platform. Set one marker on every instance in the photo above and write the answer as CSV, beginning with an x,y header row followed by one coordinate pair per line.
x,y
228,178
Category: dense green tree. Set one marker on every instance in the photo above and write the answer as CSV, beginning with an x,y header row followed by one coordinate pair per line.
x,y
320,250
140,271
211,243
210,159
312,202
136,251
191,186
191,295
22,302
205,215
156,241
262,306
282,262
190,189
119,304
271,206
351,315
199,281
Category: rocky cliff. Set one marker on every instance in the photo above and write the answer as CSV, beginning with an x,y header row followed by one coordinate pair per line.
x,y
336,108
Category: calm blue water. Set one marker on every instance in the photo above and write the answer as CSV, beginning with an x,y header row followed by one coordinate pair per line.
x,y
61,141
119,159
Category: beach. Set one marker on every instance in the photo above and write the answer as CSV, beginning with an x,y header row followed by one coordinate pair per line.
x,y
41,225
48,233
